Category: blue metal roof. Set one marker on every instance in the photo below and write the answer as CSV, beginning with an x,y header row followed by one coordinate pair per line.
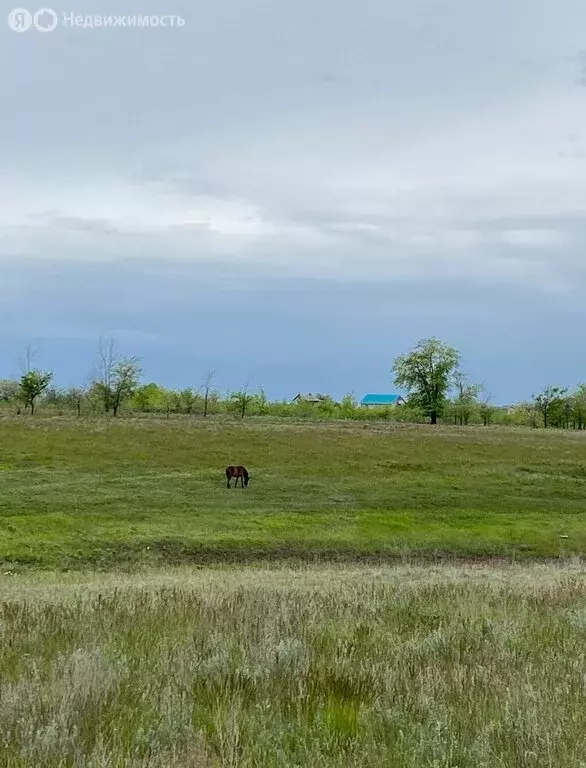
x,y
379,399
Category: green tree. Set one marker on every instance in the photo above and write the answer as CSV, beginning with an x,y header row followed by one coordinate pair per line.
x,y
240,401
526,413
187,400
148,397
427,374
348,406
466,399
578,401
561,412
116,378
326,406
549,401
487,411
260,403
9,390
74,397
32,384
171,401
125,378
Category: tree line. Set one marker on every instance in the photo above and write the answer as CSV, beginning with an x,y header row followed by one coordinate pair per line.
x,y
431,372
437,390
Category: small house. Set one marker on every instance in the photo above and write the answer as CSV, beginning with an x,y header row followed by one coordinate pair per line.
x,y
381,401
308,398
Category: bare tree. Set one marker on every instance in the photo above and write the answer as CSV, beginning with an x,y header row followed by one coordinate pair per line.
x,y
207,388
108,358
25,363
25,359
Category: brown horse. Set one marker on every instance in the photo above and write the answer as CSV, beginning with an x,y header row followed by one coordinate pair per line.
x,y
238,472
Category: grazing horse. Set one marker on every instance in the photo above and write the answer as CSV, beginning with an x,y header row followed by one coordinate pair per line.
x,y
238,472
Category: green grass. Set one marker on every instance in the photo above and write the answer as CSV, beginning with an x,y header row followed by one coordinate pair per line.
x,y
406,667
329,666
107,494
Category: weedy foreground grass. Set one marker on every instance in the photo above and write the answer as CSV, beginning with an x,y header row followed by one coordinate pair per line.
x,y
131,493
439,667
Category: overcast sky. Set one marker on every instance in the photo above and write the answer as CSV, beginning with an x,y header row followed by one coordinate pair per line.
x,y
294,193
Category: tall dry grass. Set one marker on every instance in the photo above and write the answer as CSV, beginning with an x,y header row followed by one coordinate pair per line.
x,y
441,667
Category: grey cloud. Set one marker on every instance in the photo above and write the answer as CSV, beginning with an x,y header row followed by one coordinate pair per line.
x,y
182,319
334,179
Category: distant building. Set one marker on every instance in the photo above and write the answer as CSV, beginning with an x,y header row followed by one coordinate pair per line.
x,y
377,401
308,398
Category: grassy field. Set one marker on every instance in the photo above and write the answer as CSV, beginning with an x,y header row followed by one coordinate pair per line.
x,y
406,666
154,663
108,494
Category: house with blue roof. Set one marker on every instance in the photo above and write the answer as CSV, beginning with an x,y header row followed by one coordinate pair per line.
x,y
378,401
